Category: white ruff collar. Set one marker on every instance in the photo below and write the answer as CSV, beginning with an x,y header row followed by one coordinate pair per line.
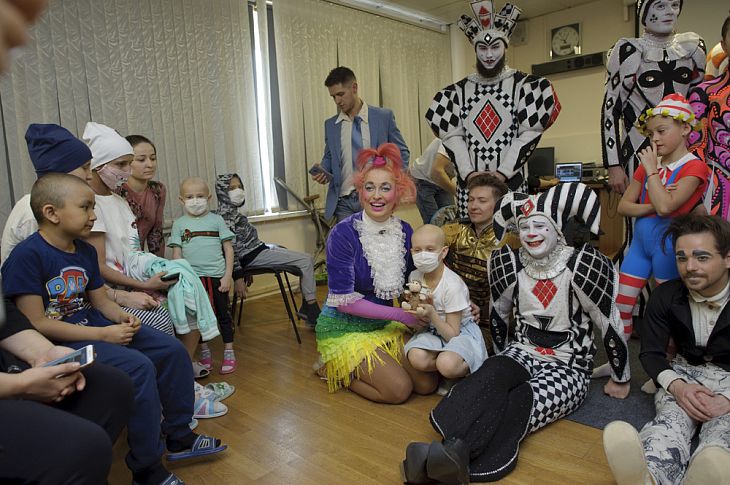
x,y
677,46
479,79
549,267
383,244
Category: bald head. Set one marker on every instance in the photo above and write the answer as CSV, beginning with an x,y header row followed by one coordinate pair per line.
x,y
55,189
428,235
194,185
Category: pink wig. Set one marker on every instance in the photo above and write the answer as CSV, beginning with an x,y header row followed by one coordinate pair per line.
x,y
385,157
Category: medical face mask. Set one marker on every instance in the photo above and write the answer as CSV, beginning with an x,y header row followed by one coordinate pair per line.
x,y
426,261
237,196
196,206
112,176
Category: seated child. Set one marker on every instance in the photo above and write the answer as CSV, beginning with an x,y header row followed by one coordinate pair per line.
x,y
252,253
198,236
453,345
54,279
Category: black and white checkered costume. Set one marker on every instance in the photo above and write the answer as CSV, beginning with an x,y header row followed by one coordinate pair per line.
x,y
640,73
543,375
493,124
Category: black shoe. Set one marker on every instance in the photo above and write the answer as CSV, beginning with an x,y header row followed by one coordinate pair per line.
x,y
448,462
413,468
310,313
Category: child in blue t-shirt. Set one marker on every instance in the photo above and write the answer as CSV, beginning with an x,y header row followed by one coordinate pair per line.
x,y
54,279
204,240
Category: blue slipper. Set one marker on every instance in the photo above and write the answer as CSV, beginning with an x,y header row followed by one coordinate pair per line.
x,y
171,479
203,445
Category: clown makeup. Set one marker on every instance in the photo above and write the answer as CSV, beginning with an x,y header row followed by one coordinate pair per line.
x,y
378,196
661,16
538,236
489,55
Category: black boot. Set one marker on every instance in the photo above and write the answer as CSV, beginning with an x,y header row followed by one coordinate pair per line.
x,y
448,462
310,313
413,468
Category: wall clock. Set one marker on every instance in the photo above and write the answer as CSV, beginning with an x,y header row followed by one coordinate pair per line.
x,y
565,41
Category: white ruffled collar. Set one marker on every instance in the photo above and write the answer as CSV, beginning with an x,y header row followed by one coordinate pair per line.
x,y
383,244
670,48
549,267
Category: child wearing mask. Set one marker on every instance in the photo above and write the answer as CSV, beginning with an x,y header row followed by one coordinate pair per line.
x,y
204,240
452,345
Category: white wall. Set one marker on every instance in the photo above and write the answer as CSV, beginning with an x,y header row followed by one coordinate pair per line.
x,y
576,133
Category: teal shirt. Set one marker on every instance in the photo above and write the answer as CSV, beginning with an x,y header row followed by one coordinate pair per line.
x,y
201,239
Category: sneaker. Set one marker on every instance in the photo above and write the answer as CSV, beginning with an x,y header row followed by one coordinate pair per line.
x,y
625,454
309,312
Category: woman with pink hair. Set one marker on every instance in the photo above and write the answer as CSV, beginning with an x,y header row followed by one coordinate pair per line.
x,y
360,335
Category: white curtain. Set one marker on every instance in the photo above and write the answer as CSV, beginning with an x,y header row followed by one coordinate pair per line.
x,y
177,71
398,66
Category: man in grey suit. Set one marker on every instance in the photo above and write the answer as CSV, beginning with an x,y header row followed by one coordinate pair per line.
x,y
355,126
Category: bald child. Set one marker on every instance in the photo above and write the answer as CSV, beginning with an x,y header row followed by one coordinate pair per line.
x,y
204,240
453,346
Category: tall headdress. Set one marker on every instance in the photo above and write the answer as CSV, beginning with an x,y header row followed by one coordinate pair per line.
x,y
487,26
558,204
643,5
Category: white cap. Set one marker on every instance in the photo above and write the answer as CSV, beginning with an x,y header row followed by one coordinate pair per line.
x,y
105,144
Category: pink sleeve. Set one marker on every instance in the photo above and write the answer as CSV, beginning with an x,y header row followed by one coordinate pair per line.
x,y
367,309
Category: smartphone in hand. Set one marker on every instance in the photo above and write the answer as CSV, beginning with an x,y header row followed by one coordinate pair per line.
x,y
317,169
170,277
84,356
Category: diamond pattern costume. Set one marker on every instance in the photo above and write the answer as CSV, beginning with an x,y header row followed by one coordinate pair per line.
x,y
542,375
492,124
641,72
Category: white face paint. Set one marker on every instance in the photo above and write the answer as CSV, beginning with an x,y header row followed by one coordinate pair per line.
x,y
490,54
661,16
538,236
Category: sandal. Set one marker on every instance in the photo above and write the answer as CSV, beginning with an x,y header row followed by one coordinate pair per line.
x,y
199,371
221,390
203,445
205,408
171,479
228,366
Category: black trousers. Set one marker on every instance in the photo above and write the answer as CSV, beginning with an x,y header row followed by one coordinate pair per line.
x,y
67,443
221,305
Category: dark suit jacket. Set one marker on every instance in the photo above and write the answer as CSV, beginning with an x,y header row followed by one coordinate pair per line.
x,y
668,314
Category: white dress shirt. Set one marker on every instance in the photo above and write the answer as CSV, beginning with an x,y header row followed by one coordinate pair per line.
x,y
346,145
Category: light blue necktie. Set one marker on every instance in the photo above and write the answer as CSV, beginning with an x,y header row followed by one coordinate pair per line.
x,y
356,139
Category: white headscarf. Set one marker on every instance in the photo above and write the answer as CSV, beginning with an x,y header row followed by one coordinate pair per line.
x,y
105,144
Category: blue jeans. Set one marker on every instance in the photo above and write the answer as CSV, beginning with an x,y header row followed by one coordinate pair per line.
x,y
430,198
347,205
162,376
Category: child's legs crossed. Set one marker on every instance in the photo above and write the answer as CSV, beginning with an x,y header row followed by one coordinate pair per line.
x,y
635,271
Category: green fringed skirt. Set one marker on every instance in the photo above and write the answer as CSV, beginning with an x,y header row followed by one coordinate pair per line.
x,y
344,341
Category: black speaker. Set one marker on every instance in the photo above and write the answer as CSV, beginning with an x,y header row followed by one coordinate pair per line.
x,y
597,59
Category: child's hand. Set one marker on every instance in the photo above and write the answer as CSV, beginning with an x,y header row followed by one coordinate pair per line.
x,y
131,320
240,288
649,159
121,334
225,285
136,299
155,282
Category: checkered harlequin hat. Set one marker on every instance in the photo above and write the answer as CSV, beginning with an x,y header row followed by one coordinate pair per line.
x,y
673,105
558,204
643,5
488,26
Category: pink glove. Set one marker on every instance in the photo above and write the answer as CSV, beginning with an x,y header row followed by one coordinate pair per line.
x,y
368,309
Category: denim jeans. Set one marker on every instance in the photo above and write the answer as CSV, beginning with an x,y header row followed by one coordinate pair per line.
x,y
430,198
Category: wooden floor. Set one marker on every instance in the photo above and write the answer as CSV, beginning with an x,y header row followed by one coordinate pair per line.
x,y
284,428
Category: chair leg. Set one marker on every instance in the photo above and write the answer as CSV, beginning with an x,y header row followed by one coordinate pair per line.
x,y
291,293
288,306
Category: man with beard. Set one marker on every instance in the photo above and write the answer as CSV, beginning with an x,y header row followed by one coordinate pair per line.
x,y
556,294
694,384
492,120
